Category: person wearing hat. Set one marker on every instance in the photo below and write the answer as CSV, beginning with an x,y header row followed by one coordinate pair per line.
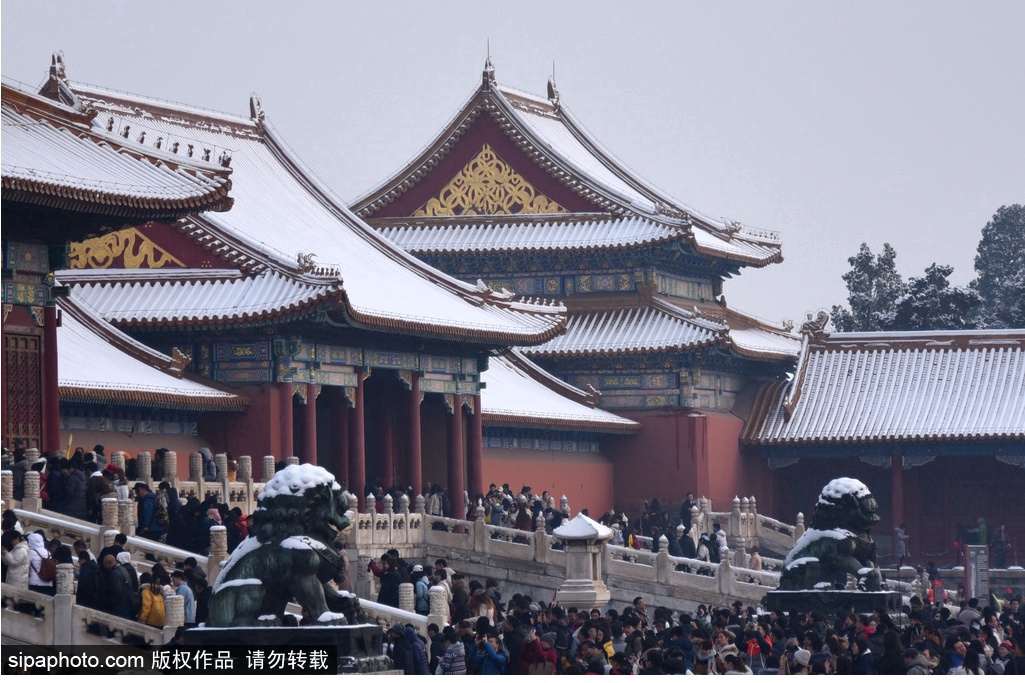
x,y
421,587
915,663
1003,660
801,664
538,655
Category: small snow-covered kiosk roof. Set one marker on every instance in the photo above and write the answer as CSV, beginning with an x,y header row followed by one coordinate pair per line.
x,y
897,387
288,223
582,528
518,393
100,364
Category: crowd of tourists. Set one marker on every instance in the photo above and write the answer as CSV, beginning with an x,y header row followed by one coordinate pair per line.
x,y
523,635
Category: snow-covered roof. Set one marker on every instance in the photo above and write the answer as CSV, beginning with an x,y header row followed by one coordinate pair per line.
x,y
518,393
56,156
163,297
657,326
99,364
546,131
897,387
287,217
477,234
582,528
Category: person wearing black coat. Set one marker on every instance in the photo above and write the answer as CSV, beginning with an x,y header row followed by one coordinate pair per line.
x,y
74,492
90,592
390,581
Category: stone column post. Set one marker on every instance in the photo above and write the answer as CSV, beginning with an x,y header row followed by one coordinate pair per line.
x,y
218,552
174,611
387,504
799,526
403,504
695,519
756,526
245,469
725,576
540,539
63,605
109,509
170,473
7,488
439,606
31,501
144,469
292,460
196,467
268,468
407,599
108,539
421,504
126,517
662,560
117,459
564,506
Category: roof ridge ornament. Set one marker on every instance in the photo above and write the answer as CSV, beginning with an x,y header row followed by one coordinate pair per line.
x,y
815,327
488,76
306,262
57,87
553,92
256,112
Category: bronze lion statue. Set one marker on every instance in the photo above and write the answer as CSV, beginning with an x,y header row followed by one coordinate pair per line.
x,y
288,555
838,543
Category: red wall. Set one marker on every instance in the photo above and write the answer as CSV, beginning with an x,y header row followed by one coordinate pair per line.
x,y
584,478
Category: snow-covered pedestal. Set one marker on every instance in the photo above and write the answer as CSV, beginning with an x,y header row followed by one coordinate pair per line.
x,y
584,543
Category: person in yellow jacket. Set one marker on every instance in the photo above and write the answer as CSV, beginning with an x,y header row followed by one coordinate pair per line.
x,y
152,612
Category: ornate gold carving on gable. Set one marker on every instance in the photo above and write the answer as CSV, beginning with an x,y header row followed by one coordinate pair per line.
x,y
488,186
126,248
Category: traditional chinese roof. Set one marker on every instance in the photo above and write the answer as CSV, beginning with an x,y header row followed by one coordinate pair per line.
x,y
897,387
655,326
59,156
476,234
751,336
169,297
99,364
518,393
544,130
282,214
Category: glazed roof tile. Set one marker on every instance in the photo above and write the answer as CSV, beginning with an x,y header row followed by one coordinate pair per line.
x,y
659,326
520,394
897,387
284,214
472,235
52,156
101,364
166,298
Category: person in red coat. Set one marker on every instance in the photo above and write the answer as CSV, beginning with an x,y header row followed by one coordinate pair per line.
x,y
539,653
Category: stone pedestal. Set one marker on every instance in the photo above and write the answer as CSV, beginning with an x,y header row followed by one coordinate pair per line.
x,y
359,648
584,543
833,602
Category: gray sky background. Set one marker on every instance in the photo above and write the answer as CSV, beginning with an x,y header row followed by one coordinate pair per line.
x,y
834,124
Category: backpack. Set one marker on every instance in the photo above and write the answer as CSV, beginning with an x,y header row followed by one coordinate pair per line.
x,y
134,596
160,516
544,668
47,568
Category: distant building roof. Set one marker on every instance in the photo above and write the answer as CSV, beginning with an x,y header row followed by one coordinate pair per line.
x,y
99,364
897,387
316,251
545,130
518,393
59,156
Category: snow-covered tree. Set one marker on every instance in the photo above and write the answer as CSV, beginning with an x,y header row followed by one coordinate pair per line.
x,y
873,286
930,303
1000,264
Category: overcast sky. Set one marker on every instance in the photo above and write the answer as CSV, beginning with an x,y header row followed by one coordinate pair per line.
x,y
834,124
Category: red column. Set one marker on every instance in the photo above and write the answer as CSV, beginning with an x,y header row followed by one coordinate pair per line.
x,y
414,466
455,457
896,497
310,425
51,390
287,437
341,440
475,451
699,453
357,446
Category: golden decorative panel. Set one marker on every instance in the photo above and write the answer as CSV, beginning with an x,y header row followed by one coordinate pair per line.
x,y
129,246
488,186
